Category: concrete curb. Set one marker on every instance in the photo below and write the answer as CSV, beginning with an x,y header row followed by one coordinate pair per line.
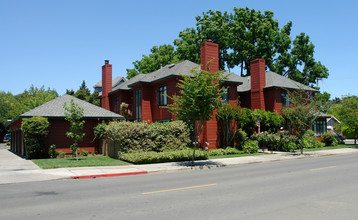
x,y
108,175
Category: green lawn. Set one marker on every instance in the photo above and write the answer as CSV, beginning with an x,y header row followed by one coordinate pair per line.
x,y
81,162
331,147
235,155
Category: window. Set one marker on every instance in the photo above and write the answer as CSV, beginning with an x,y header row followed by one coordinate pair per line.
x,y
284,99
320,127
225,96
162,95
115,104
138,104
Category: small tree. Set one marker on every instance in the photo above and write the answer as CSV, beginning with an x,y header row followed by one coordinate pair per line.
x,y
302,113
199,96
74,114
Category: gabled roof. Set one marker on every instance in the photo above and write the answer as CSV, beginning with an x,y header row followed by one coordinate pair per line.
x,y
54,109
168,71
115,82
274,80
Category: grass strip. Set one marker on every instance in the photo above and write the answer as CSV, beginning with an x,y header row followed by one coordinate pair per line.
x,y
81,162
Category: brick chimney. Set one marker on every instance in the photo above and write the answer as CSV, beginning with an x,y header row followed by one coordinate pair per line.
x,y
106,84
210,51
210,136
258,82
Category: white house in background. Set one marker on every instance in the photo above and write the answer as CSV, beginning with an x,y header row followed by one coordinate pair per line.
x,y
332,122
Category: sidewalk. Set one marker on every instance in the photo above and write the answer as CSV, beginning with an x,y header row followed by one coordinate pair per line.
x,y
14,169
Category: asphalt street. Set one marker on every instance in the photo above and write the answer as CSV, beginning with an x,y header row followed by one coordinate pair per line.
x,y
315,188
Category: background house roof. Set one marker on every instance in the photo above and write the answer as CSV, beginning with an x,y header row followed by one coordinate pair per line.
x,y
54,109
115,82
274,80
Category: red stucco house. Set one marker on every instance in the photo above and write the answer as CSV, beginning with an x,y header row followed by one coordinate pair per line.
x,y
54,111
144,92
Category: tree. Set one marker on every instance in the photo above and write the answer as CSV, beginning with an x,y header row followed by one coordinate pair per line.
x,y
159,57
244,35
34,97
10,107
74,114
301,113
198,97
84,93
347,113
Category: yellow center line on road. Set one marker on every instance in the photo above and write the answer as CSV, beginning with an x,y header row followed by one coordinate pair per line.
x,y
323,168
169,190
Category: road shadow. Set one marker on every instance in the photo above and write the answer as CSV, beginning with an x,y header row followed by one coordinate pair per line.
x,y
200,164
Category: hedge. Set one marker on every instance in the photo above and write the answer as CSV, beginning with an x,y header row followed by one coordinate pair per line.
x,y
161,157
141,136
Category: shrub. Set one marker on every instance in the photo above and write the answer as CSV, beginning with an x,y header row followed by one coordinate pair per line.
x,y
329,139
270,121
84,153
140,136
250,147
287,143
93,153
226,115
160,157
61,154
52,151
308,139
317,144
99,130
173,135
267,140
34,131
222,151
240,136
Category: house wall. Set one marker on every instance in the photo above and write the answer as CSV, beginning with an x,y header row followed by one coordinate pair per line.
x,y
57,135
273,100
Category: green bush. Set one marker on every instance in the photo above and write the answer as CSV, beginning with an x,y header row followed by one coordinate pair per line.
x,y
99,130
141,136
267,140
288,143
52,151
84,153
240,137
61,154
329,139
170,136
250,147
34,131
270,121
161,157
308,139
317,144
226,151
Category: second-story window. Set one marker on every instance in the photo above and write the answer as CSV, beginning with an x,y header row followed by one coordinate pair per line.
x,y
115,104
225,96
162,95
284,99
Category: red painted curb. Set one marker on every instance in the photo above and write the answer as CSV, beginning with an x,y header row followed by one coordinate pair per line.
x,y
109,175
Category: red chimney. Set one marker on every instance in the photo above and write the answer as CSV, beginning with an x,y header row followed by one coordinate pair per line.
x,y
258,82
210,51
106,84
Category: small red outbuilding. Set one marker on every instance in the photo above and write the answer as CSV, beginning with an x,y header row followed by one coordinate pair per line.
x,y
55,113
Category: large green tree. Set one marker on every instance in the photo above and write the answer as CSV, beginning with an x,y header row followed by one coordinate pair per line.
x,y
347,113
159,57
198,97
34,97
242,36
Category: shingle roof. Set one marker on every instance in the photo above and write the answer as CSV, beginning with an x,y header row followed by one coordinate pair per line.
x,y
171,70
54,109
274,80
114,82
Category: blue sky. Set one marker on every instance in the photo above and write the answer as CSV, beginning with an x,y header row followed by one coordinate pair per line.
x,y
60,43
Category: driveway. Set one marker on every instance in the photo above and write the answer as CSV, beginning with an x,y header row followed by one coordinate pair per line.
x,y
15,169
